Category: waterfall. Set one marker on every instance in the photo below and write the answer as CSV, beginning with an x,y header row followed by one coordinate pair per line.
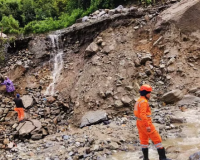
x,y
57,64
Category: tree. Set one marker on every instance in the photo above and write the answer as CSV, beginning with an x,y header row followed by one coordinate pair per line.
x,y
9,24
28,12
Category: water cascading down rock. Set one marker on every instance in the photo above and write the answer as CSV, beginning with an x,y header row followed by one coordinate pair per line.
x,y
57,63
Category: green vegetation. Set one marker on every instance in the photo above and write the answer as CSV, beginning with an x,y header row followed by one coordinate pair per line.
x,y
40,16
4,43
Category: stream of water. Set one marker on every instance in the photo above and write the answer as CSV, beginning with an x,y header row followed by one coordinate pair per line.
x,y
181,148
57,64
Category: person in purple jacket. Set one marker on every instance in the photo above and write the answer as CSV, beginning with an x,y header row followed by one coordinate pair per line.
x,y
9,85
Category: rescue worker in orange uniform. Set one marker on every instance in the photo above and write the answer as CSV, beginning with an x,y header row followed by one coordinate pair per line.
x,y
145,127
19,108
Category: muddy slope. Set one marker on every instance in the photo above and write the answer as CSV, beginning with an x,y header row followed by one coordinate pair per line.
x,y
104,66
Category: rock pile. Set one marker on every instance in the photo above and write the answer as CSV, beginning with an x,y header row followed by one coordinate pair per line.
x,y
22,61
99,84
105,13
44,115
96,142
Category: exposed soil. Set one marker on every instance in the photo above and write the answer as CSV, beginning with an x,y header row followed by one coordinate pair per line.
x,y
129,53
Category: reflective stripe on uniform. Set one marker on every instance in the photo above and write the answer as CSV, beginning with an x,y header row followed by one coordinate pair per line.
x,y
135,107
141,119
144,145
138,104
141,102
158,145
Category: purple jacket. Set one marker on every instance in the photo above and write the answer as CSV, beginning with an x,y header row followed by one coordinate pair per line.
x,y
9,85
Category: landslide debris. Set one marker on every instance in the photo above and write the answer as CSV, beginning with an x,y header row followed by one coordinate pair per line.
x,y
105,62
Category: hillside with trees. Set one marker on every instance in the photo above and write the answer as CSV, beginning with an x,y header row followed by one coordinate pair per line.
x,y
40,16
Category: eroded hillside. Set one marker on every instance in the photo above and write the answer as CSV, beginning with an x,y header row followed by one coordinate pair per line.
x,y
104,63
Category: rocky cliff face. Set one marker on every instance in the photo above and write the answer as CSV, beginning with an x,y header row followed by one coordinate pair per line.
x,y
110,54
106,59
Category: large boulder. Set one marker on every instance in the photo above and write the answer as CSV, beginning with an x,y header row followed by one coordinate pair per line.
x,y
195,156
27,101
31,127
188,99
38,48
91,49
17,72
182,14
37,124
172,96
93,117
26,128
177,120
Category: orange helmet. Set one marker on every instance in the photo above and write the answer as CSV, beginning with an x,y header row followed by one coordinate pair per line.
x,y
146,87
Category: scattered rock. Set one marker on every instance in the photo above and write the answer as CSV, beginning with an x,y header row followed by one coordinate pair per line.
x,y
177,120
195,156
84,19
26,128
27,101
118,103
93,117
145,58
126,100
3,35
91,49
51,99
36,136
172,96
188,100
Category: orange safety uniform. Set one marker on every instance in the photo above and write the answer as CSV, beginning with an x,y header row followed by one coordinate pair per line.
x,y
142,111
20,112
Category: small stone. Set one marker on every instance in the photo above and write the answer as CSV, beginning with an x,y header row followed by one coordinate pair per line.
x,y
14,125
84,19
6,141
65,137
118,103
71,153
129,88
36,137
136,27
77,144
126,100
91,49
113,145
51,99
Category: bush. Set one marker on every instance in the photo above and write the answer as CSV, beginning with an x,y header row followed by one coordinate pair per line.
x,y
67,20
39,16
39,26
10,25
49,24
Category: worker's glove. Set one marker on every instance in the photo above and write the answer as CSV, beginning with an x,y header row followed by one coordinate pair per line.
x,y
148,129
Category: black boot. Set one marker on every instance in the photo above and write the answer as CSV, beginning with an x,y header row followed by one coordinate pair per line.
x,y
145,153
162,155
